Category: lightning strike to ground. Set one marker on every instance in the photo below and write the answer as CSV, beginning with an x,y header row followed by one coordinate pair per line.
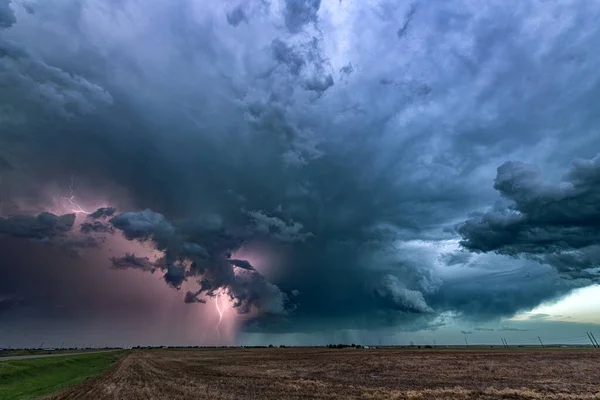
x,y
71,198
220,316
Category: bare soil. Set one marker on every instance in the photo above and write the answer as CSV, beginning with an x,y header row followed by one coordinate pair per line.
x,y
346,374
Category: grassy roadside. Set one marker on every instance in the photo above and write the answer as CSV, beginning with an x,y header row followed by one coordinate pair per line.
x,y
36,352
28,379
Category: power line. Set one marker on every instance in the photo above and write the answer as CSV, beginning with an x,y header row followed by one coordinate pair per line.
x,y
593,339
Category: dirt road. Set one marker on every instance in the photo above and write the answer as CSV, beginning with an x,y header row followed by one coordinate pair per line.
x,y
52,355
345,374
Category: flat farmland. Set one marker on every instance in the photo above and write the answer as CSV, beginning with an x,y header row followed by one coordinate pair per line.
x,y
295,373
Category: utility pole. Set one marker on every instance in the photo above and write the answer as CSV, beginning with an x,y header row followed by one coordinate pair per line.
x,y
541,341
591,340
594,337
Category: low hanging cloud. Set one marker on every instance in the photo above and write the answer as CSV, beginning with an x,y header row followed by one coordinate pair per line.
x,y
552,222
510,329
44,226
129,260
190,251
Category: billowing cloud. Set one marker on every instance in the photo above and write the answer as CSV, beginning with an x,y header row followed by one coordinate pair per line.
x,y
298,13
43,226
336,145
7,15
405,299
553,222
237,15
129,260
203,252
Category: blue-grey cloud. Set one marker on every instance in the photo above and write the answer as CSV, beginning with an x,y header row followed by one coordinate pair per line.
x,y
310,133
7,15
237,15
43,226
553,222
298,13
510,329
129,260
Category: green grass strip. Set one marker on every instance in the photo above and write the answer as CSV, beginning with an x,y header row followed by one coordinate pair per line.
x,y
28,379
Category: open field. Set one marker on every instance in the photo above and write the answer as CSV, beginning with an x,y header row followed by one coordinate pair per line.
x,y
27,379
346,374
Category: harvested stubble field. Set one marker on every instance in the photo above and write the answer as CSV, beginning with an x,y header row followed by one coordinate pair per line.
x,y
346,374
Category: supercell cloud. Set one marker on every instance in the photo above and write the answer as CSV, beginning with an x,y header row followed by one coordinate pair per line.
x,y
325,165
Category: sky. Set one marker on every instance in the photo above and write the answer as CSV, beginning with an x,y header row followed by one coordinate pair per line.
x,y
298,171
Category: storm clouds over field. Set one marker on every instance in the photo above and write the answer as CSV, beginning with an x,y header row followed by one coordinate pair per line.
x,y
325,165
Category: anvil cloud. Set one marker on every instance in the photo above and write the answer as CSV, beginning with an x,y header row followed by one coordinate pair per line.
x,y
395,161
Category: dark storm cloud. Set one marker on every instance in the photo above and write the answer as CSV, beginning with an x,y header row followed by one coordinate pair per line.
x,y
43,226
95,226
194,251
305,62
554,222
103,212
278,229
237,16
129,260
479,329
7,15
242,140
242,264
407,21
401,297
191,297
287,55
55,91
145,225
509,329
298,13
491,286
466,332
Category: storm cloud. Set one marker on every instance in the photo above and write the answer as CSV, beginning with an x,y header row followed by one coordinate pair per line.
x,y
553,222
324,165
7,15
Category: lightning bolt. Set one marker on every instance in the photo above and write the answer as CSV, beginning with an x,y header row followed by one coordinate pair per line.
x,y
220,316
71,199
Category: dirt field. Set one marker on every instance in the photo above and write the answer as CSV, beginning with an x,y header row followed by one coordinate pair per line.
x,y
347,374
